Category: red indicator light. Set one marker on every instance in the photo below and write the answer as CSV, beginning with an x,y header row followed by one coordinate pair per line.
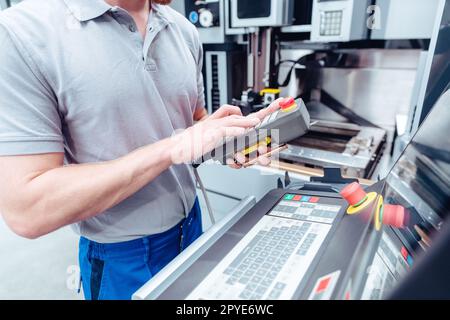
x,y
323,285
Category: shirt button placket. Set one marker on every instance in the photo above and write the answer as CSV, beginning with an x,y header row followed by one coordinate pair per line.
x,y
150,66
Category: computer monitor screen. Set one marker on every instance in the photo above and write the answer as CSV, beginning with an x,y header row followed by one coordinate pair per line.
x,y
439,76
420,180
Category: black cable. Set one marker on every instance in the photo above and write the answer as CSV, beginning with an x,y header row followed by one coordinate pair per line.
x,y
288,77
330,60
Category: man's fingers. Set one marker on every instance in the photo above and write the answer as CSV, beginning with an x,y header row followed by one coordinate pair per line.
x,y
274,106
225,111
242,122
240,158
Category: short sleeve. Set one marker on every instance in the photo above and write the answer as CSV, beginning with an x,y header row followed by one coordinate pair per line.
x,y
29,117
200,84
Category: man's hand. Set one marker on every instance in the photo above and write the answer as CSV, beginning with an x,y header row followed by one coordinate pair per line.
x,y
262,159
210,139
206,135
274,106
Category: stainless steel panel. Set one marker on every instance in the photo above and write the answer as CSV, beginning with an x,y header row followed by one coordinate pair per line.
x,y
405,19
376,84
376,96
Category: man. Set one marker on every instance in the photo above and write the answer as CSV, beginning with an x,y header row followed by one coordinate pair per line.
x,y
91,93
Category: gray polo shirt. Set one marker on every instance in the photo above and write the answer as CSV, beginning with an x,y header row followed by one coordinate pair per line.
x,y
77,77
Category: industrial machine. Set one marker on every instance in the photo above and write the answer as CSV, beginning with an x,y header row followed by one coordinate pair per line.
x,y
334,55
223,76
330,238
224,57
225,81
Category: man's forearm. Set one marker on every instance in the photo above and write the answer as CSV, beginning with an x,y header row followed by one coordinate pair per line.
x,y
40,195
66,195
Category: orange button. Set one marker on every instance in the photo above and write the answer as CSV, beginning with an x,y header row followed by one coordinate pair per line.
x,y
297,198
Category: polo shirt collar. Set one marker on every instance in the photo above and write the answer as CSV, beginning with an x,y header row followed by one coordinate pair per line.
x,y
161,11
85,10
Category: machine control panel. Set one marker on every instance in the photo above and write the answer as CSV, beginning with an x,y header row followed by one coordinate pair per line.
x,y
306,208
331,23
300,244
271,261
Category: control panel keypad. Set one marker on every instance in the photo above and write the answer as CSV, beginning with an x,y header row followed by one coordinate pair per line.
x,y
305,208
331,23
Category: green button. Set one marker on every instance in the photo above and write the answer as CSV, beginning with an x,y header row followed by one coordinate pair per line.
x,y
289,197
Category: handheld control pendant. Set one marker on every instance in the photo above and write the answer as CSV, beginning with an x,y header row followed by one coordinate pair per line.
x,y
290,122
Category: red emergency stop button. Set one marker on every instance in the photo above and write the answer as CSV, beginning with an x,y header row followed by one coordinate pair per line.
x,y
354,194
394,216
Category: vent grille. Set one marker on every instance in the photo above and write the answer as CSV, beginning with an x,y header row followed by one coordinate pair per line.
x,y
215,90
